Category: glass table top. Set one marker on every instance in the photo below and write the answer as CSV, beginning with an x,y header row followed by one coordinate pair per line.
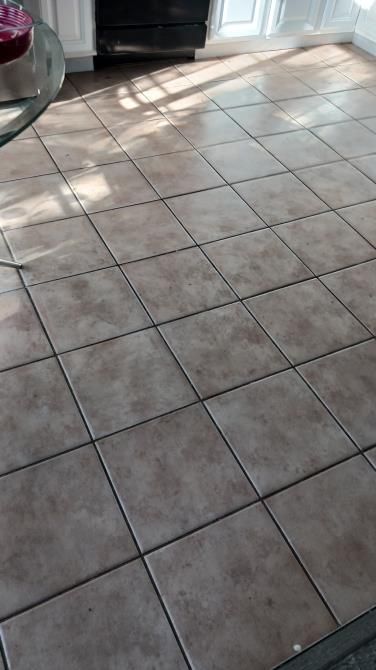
x,y
29,84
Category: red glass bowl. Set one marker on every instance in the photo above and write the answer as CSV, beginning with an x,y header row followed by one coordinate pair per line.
x,y
16,32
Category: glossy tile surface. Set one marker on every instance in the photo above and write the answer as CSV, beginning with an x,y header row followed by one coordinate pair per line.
x,y
174,474
222,348
113,631
68,528
302,439
187,351
334,513
239,559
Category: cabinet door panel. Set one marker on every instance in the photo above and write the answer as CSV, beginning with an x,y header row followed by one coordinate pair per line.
x,y
238,18
294,16
73,22
340,15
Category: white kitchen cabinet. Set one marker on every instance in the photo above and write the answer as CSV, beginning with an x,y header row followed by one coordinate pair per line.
x,y
340,15
365,30
73,22
294,16
238,18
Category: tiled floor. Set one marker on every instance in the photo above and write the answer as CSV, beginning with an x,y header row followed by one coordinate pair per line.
x,y
188,364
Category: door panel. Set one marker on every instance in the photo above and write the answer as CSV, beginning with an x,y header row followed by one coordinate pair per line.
x,y
238,18
294,16
340,15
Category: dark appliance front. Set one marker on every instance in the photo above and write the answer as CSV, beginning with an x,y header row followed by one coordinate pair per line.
x,y
139,28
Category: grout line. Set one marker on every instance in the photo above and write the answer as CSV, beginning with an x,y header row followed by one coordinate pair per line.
x,y
201,402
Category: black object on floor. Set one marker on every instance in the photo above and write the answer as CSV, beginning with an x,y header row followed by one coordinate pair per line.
x,y
352,647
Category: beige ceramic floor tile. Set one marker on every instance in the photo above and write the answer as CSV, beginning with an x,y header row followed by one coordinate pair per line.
x,y
280,86
26,158
58,249
210,215
299,149
140,231
238,161
177,284
359,103
175,174
66,117
232,93
325,80
46,198
294,198
350,139
108,186
356,288
264,119
363,219
313,111
149,138
207,128
84,149
338,184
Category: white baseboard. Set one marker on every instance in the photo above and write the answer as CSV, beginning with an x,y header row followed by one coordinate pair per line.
x,y
83,64
364,43
249,45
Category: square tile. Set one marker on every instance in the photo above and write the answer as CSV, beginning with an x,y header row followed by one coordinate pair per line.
x,y
361,73
109,186
66,117
26,158
38,200
356,288
177,284
299,149
279,86
227,578
222,348
84,148
123,104
98,81
264,119
210,215
157,466
179,173
172,98
127,380
346,382
338,184
237,161
121,611
9,277
146,76
279,430
253,64
298,59
366,164
69,528
141,231
359,103
370,123
149,138
50,419
280,198
330,519
325,242
325,80
362,218
232,93
201,71
207,128
58,249
350,139
88,308
22,339
306,321
313,111
256,262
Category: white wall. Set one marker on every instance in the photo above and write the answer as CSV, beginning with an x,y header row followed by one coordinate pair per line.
x,y
365,30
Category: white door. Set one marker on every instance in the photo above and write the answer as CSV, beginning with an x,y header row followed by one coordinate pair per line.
x,y
294,16
238,18
340,15
73,21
